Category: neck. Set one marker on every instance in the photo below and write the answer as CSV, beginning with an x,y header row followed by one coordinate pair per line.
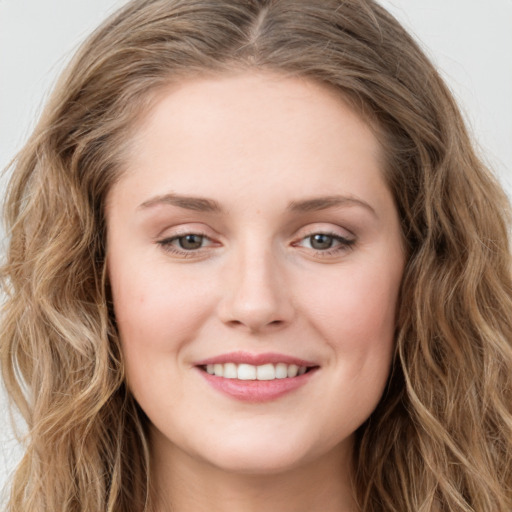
x,y
182,483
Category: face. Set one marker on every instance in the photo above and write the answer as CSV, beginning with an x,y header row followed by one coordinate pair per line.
x,y
255,259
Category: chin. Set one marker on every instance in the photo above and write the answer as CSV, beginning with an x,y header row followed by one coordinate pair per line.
x,y
256,463
263,455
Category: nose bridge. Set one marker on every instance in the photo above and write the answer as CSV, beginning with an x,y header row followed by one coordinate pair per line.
x,y
256,296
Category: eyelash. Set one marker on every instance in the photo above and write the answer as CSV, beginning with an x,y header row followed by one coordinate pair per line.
x,y
343,244
167,245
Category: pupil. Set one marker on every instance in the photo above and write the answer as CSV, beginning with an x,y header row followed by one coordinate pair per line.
x,y
191,241
321,241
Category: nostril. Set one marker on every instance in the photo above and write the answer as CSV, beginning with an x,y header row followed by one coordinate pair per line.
x,y
255,323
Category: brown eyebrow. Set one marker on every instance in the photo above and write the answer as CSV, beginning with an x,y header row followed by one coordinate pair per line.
x,y
202,204
322,203
198,204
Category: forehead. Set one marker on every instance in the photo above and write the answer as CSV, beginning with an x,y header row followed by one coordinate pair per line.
x,y
256,131
289,107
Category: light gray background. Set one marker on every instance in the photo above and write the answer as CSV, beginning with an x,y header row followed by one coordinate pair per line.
x,y
470,40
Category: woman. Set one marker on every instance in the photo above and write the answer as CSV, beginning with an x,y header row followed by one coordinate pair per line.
x,y
255,263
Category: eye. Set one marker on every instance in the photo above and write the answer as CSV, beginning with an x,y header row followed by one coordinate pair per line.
x,y
321,241
190,242
186,244
325,244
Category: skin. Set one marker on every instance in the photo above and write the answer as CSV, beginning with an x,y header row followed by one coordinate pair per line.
x,y
259,145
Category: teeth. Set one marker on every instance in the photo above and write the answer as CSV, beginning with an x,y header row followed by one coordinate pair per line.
x,y
230,371
266,372
282,371
292,370
249,372
246,372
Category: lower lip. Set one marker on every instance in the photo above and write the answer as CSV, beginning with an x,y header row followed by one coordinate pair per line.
x,y
257,390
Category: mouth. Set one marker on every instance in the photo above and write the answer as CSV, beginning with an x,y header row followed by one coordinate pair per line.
x,y
264,372
256,377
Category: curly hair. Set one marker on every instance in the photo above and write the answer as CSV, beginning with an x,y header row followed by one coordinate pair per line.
x,y
441,437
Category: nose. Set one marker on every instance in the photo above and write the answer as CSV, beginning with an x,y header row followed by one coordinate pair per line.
x,y
256,298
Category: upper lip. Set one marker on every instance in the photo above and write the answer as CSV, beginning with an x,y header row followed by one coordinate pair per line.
x,y
241,357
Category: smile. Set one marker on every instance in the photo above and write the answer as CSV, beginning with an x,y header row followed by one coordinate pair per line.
x,y
267,371
253,378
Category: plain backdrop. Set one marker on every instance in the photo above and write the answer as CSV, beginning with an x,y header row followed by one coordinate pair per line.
x,y
469,40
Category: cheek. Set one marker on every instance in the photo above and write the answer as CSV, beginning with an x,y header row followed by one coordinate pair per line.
x,y
355,310
355,313
156,314
155,319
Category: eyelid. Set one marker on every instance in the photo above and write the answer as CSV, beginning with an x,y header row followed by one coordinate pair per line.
x,y
168,237
341,242
344,241
325,228
184,228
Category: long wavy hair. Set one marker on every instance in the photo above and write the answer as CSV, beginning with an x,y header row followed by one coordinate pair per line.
x,y
441,437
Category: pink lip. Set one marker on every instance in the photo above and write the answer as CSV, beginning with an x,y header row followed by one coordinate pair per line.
x,y
255,359
256,390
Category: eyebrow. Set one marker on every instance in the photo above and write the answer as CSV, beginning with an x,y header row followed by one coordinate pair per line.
x,y
322,203
198,204
201,204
